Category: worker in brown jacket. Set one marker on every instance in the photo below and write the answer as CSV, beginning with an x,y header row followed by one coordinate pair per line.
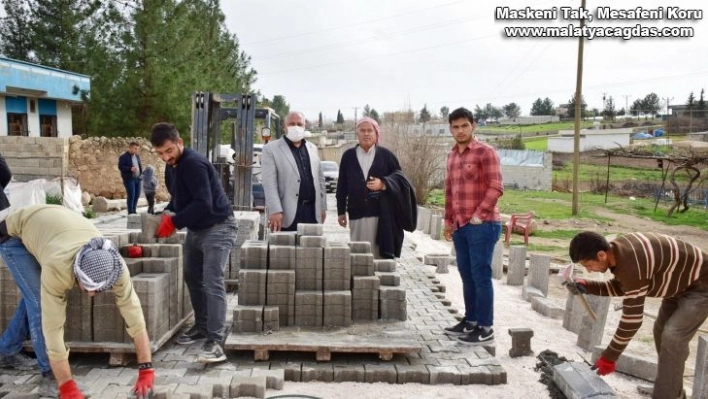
x,y
649,265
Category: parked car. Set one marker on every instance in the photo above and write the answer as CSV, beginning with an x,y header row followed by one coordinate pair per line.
x,y
331,173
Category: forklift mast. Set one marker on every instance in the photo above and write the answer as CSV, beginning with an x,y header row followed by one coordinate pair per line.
x,y
209,111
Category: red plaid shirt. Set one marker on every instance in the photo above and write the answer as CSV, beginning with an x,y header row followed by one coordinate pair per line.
x,y
473,184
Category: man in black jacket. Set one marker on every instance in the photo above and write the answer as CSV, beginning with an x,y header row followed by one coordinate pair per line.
x,y
363,193
130,170
199,204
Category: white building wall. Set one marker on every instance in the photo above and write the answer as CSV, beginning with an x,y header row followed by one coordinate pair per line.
x,y
64,126
3,117
561,144
590,140
33,118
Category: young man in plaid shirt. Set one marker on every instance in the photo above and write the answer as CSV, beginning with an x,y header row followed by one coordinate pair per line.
x,y
473,184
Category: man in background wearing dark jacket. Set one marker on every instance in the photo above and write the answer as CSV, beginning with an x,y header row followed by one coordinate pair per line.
x,y
199,204
130,171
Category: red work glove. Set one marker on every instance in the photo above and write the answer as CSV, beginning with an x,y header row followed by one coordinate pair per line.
x,y
166,228
604,366
69,390
143,387
578,286
135,251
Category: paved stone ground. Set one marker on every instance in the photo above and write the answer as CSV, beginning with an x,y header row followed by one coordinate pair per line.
x,y
441,360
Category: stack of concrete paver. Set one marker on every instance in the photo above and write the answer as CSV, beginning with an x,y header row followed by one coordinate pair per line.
x,y
9,296
313,282
248,229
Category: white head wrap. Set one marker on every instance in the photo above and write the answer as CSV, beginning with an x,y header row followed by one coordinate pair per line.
x,y
98,265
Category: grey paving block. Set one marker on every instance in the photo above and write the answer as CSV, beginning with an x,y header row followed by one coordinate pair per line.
x,y
79,316
547,307
349,372
133,222
274,377
423,224
362,264
517,265
520,342
153,291
574,312
173,267
384,265
248,386
528,292
539,269
195,391
337,308
436,225
444,375
252,287
308,269
360,247
292,370
309,229
254,255
576,380
637,366
591,332
380,373
308,308
248,319
271,318
148,223
280,292
389,279
317,372
282,257
283,238
417,373
313,241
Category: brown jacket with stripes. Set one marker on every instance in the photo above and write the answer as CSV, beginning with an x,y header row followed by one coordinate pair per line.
x,y
647,265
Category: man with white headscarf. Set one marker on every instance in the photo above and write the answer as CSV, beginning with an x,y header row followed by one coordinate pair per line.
x,y
375,193
54,248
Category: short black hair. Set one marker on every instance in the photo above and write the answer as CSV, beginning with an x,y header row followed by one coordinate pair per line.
x,y
586,245
461,113
133,143
162,132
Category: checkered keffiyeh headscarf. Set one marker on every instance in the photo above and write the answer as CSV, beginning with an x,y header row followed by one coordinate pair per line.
x,y
98,265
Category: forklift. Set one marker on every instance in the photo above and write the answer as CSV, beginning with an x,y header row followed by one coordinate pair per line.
x,y
230,146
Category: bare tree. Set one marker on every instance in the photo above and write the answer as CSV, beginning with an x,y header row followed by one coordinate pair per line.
x,y
422,157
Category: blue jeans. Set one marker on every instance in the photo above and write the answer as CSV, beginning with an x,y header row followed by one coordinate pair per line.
x,y
132,187
26,272
206,253
474,245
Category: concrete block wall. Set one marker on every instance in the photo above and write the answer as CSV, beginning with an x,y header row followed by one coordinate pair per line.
x,y
32,158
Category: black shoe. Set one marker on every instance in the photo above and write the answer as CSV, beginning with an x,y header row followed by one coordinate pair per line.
x,y
463,327
211,353
478,337
192,335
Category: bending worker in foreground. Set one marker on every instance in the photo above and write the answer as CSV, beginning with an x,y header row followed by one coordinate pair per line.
x,y
56,248
648,265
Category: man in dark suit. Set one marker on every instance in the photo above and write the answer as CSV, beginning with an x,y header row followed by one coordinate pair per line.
x,y
293,181
130,170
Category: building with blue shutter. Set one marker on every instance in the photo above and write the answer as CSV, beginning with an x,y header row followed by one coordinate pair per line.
x,y
36,101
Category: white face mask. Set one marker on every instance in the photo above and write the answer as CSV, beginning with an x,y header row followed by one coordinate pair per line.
x,y
296,133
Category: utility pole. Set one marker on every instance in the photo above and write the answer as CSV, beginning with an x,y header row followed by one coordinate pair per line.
x,y
667,113
578,112
626,103
356,113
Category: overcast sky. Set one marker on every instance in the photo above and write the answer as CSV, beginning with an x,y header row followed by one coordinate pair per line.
x,y
325,55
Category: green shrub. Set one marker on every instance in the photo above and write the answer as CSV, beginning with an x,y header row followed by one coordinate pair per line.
x,y
89,213
53,199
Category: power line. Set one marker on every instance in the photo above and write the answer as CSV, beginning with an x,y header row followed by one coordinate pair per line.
x,y
375,57
350,43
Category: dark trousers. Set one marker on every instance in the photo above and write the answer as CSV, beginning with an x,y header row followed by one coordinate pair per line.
x,y
305,214
150,197
132,188
206,253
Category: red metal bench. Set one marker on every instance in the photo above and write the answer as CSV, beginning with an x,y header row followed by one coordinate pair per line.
x,y
519,221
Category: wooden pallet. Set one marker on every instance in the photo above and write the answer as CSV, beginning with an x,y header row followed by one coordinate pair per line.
x,y
121,353
323,344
